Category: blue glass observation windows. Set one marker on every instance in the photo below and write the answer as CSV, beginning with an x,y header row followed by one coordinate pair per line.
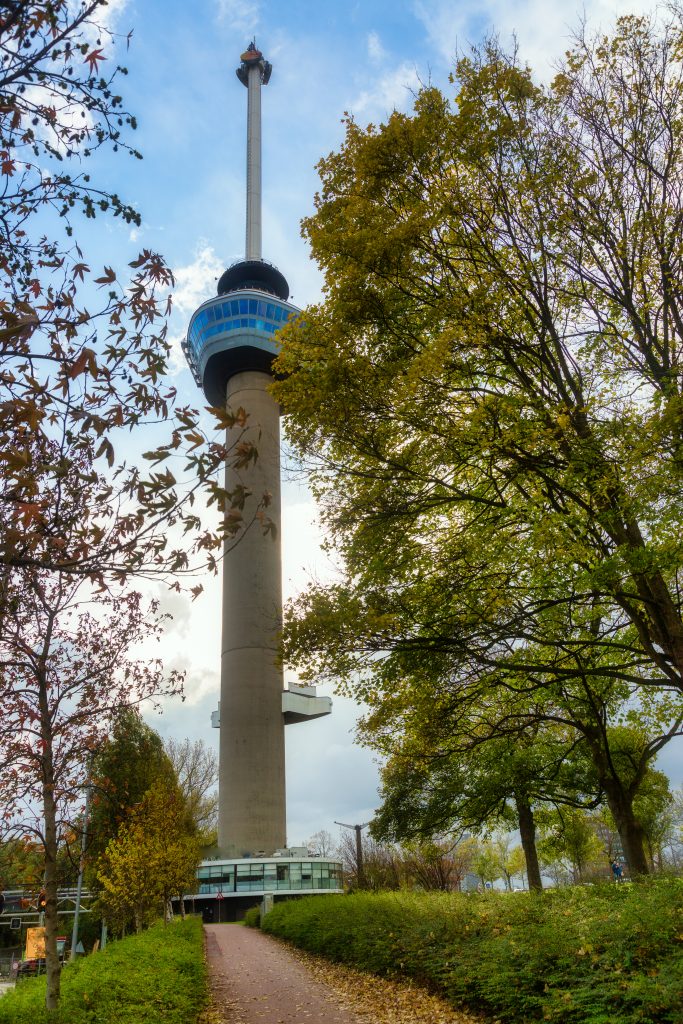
x,y
232,315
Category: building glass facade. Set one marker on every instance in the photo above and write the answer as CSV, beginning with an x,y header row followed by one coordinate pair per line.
x,y
268,876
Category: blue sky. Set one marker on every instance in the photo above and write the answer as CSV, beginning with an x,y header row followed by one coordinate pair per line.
x,y
328,58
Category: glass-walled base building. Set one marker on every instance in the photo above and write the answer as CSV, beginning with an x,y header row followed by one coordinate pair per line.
x,y
226,889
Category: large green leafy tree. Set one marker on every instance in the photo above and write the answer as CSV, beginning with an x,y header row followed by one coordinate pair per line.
x,y
486,392
471,751
568,834
489,395
443,772
128,763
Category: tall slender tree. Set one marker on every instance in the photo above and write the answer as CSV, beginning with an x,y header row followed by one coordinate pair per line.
x,y
122,770
152,859
83,353
66,674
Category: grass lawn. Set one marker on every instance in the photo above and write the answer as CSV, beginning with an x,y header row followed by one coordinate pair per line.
x,y
607,954
158,977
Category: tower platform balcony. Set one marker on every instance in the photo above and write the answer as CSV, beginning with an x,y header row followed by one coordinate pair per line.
x,y
299,704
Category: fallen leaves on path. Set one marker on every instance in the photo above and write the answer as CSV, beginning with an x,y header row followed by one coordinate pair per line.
x,y
382,1000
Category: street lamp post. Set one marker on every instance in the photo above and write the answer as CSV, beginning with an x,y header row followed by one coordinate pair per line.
x,y
360,874
81,865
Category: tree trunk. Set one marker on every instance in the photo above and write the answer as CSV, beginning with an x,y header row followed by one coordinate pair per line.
x,y
630,831
527,832
360,871
52,965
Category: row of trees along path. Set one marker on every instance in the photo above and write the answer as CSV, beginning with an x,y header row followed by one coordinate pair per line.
x,y
86,511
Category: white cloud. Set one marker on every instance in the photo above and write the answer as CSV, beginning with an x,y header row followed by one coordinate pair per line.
x,y
196,281
447,26
543,30
393,91
109,16
105,18
376,51
240,15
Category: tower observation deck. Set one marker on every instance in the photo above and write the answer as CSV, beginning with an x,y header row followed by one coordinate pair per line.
x,y
230,346
234,332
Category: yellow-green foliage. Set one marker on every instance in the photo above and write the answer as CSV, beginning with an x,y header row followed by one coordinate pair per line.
x,y
152,859
607,954
158,977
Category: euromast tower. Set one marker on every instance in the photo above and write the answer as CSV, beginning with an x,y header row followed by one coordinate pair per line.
x,y
230,346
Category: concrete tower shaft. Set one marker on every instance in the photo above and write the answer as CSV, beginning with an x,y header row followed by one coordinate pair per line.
x,y
251,816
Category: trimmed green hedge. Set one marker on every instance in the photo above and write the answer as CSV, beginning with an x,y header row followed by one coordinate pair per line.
x,y
252,918
608,954
157,977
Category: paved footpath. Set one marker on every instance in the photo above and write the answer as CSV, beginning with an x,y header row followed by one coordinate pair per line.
x,y
256,980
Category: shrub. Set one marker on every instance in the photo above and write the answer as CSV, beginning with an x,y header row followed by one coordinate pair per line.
x,y
597,955
252,918
157,977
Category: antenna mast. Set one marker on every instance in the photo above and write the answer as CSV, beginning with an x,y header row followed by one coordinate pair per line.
x,y
253,71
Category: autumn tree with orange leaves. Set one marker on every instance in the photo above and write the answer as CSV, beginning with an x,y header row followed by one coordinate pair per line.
x,y
83,354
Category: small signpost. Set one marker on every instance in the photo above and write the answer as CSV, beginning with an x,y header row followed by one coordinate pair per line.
x,y
35,943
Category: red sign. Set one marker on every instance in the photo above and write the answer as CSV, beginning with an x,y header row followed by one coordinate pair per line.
x,y
219,895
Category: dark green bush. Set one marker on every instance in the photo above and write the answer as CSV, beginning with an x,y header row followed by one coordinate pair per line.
x,y
609,954
158,977
252,918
